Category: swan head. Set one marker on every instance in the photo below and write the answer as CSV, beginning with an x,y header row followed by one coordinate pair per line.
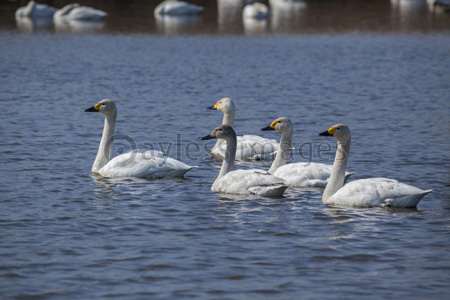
x,y
222,132
282,125
105,106
225,105
340,132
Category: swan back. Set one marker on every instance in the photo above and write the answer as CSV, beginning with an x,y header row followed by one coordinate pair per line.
x,y
177,8
373,192
75,11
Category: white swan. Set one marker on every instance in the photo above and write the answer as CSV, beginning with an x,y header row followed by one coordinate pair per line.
x,y
177,8
364,192
244,182
149,164
77,12
255,10
249,147
35,10
299,174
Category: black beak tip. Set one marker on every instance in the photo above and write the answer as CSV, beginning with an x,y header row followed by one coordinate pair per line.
x,y
267,128
208,137
211,107
325,133
91,109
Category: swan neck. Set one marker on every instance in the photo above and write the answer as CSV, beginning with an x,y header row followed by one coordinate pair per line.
x,y
337,177
228,119
105,147
230,154
283,151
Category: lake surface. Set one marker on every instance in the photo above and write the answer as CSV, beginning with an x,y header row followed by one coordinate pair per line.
x,y
67,234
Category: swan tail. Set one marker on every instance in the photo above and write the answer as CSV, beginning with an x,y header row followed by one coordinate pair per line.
x,y
406,201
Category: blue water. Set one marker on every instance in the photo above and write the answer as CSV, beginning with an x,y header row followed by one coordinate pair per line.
x,y
67,234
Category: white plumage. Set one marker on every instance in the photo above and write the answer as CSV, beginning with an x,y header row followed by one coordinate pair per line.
x,y
378,192
364,192
148,164
249,147
76,12
244,182
177,8
250,182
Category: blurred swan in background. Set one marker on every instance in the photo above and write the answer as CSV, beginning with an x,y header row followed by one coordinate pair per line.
x,y
148,164
245,182
77,12
255,10
249,147
300,174
368,192
177,8
35,10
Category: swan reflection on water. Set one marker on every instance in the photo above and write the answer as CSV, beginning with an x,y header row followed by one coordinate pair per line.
x,y
26,24
78,26
177,24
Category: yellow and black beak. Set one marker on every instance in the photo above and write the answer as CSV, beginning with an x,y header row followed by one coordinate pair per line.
x,y
95,108
214,107
270,127
208,137
329,132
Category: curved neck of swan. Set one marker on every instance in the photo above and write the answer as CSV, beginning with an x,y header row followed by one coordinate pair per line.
x,y
283,151
228,119
337,176
105,148
230,154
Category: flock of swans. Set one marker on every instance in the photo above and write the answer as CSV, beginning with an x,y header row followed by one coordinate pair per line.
x,y
371,192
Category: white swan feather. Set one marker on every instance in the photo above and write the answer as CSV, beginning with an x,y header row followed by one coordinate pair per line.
x,y
148,164
250,182
378,192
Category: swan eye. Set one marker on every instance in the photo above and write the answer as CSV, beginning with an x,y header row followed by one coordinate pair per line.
x,y
103,103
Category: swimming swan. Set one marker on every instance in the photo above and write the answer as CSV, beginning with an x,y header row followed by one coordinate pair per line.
x,y
299,174
258,11
369,192
177,8
244,182
149,164
76,12
35,10
249,147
